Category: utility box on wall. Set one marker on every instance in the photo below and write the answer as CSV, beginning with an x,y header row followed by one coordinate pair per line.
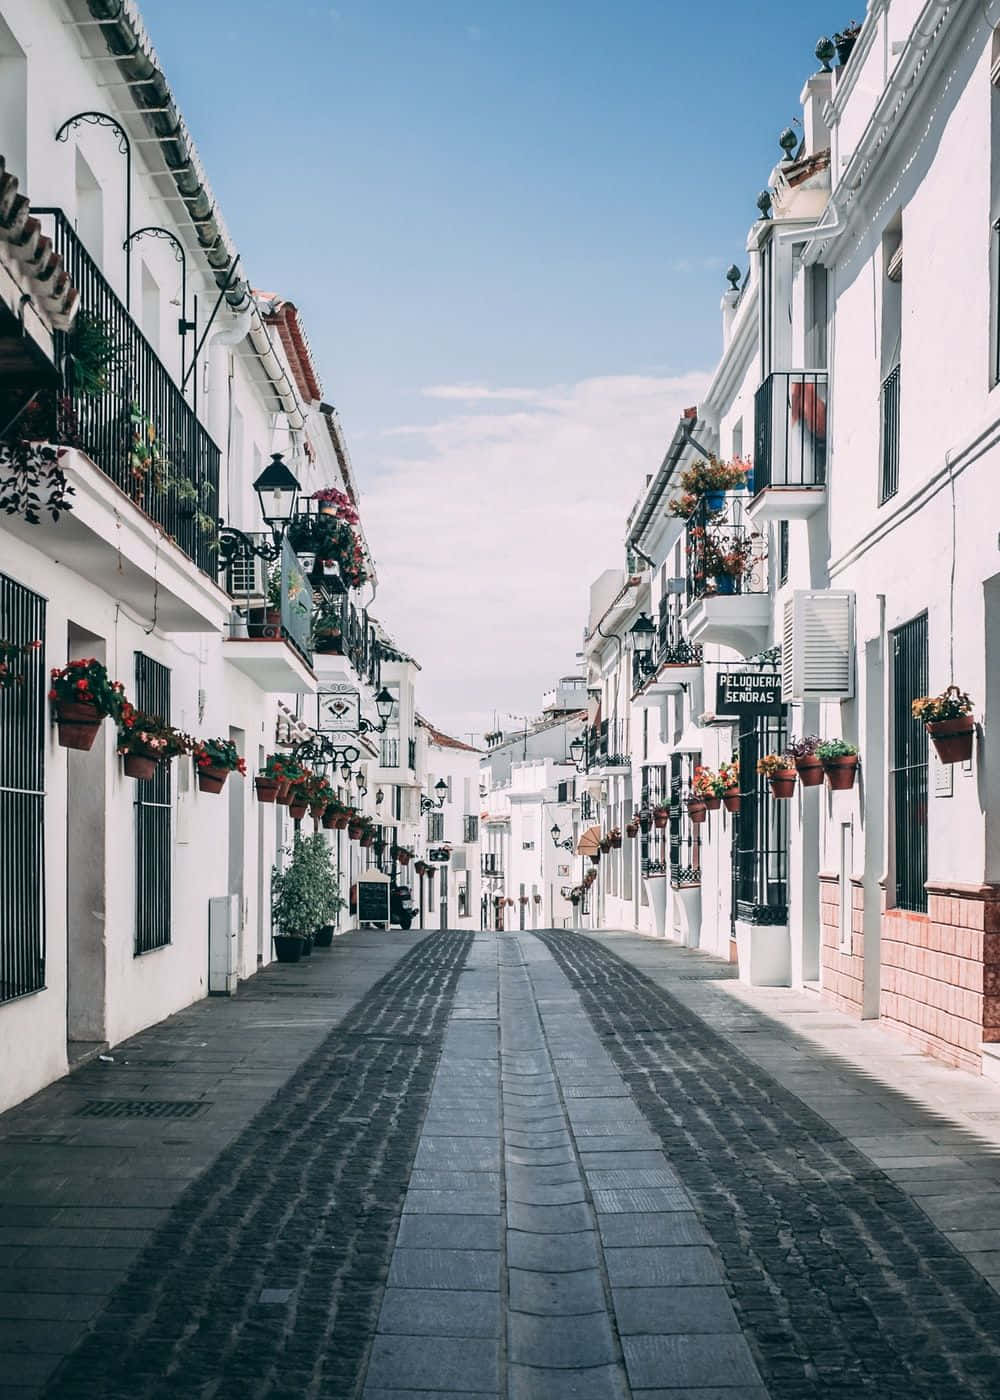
x,y
223,926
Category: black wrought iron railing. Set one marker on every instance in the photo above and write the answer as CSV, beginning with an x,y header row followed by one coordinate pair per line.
x,y
790,430
153,806
492,864
889,400
342,630
127,413
760,830
684,835
724,554
470,829
411,754
610,744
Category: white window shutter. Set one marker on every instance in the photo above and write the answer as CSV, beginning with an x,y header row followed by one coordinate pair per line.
x,y
817,655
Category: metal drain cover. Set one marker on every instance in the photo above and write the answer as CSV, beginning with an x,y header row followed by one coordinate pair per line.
x,y
140,1108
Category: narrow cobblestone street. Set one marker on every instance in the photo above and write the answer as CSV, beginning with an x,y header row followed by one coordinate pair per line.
x,y
517,1166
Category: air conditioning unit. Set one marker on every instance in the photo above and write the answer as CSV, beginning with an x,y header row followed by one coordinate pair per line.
x,y
817,650
246,577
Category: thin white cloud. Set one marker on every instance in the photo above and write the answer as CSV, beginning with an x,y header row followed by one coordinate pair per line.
x,y
479,393
490,531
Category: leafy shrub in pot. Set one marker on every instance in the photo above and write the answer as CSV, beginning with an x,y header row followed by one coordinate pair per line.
x,y
808,764
840,763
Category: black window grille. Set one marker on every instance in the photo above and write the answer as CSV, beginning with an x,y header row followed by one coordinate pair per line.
x,y
909,765
471,832
411,754
22,795
790,430
562,792
889,484
782,551
760,830
435,826
390,752
655,793
685,837
152,819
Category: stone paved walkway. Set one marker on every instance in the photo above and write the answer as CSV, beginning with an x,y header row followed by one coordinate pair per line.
x,y
496,1168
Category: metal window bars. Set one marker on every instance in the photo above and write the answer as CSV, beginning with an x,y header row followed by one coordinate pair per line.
x,y
22,795
889,403
909,765
790,433
153,845
760,830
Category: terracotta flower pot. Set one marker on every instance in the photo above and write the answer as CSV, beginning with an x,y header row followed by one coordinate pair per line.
x,y
329,819
317,810
267,788
605,846
616,843
138,765
297,810
354,831
367,841
953,738
841,772
403,857
212,779
284,794
78,724
660,820
341,822
713,803
698,812
731,800
595,859
783,784
810,770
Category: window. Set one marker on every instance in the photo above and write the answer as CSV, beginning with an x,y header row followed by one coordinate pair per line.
x,y
782,551
471,829
846,890
891,345
685,835
89,210
655,793
909,765
760,830
152,819
22,796
738,438
435,826
464,894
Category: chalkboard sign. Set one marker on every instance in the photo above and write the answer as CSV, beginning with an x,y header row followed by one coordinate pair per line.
x,y
373,902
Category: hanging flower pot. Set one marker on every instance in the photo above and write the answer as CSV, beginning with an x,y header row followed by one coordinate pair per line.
x,y
284,793
329,818
523,899
78,724
715,500
317,810
595,859
605,845
953,739
212,779
421,869
731,800
697,811
267,788
367,840
783,784
355,830
537,898
841,772
712,802
615,839
810,770
139,765
297,809
661,815
632,830
779,770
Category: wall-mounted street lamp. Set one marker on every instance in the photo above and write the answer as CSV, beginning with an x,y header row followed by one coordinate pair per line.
x,y
277,491
643,634
324,753
359,779
566,844
579,752
427,804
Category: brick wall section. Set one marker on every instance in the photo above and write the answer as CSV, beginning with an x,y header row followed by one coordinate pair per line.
x,y
941,972
841,967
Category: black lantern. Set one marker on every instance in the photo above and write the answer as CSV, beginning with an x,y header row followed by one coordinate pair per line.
x,y
576,749
642,634
566,844
345,771
384,702
441,788
278,491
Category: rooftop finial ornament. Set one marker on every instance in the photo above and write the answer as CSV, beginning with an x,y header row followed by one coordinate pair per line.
x,y
733,277
824,51
764,204
788,141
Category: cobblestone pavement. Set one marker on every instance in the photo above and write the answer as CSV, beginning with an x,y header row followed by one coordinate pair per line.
x,y
517,1169
842,1284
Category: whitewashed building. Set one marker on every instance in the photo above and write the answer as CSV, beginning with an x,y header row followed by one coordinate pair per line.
x,y
131,337
863,385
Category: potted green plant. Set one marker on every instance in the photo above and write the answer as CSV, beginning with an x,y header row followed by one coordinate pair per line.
x,y
710,479
146,740
779,770
845,39
284,770
317,853
296,904
949,721
214,760
328,636
661,815
840,763
808,763
82,695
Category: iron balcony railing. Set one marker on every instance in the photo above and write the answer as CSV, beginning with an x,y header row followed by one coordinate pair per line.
x,y
492,864
342,630
724,554
790,430
264,613
128,415
609,744
411,754
470,829
889,399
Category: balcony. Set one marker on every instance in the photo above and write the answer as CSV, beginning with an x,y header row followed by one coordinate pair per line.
x,y
271,645
346,648
389,755
493,866
675,662
790,445
727,580
608,745
144,472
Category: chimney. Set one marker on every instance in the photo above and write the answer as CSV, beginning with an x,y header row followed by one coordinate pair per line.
x,y
815,96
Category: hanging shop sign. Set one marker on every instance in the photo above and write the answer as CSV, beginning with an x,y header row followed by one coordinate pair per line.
x,y
338,709
439,854
748,692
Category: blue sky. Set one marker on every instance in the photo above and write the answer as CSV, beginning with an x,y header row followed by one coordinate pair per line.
x,y
528,196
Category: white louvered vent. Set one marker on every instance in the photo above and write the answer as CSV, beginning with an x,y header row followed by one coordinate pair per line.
x,y
817,653
246,577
